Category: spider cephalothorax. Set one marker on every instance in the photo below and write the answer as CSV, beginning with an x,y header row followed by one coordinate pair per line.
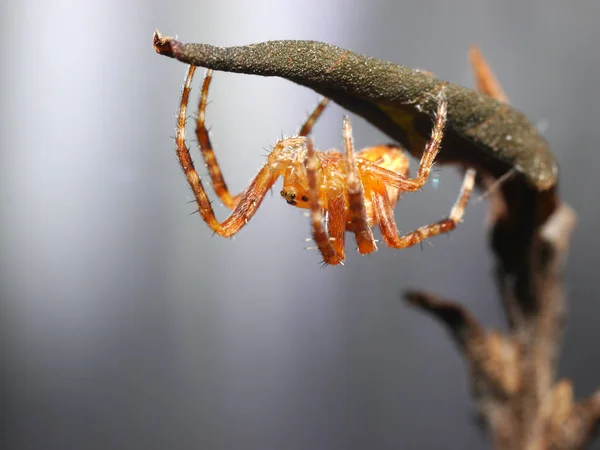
x,y
343,191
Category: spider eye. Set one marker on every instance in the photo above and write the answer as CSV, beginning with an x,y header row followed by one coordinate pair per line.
x,y
304,198
282,193
292,196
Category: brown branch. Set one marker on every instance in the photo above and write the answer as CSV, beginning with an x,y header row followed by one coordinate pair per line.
x,y
577,426
512,375
485,80
491,358
530,248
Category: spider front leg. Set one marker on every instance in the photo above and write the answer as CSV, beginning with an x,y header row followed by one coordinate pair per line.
x,y
330,244
249,200
387,224
216,176
206,148
356,197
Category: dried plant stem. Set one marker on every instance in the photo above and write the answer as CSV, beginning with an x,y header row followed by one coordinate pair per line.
x,y
513,374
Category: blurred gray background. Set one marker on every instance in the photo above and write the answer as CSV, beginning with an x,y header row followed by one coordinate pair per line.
x,y
125,324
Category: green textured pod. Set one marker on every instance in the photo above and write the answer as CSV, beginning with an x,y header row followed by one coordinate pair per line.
x,y
481,132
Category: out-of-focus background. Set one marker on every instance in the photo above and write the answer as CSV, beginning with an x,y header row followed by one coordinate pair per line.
x,y
125,324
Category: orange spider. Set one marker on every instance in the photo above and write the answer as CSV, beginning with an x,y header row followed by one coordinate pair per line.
x,y
346,192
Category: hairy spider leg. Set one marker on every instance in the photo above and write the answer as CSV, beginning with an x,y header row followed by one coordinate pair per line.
x,y
320,235
216,176
310,121
387,224
391,157
356,197
206,148
336,222
389,177
329,241
250,199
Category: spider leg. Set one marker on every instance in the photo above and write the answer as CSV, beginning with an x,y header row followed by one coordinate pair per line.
x,y
320,235
387,223
250,199
336,224
432,148
310,121
216,176
356,197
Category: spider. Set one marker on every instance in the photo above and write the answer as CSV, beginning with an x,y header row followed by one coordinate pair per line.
x,y
343,192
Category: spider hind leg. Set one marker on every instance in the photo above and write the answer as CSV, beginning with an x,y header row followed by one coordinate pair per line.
x,y
388,227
